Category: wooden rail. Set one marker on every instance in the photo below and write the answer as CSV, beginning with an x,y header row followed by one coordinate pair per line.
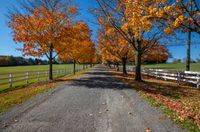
x,y
174,75
179,76
27,76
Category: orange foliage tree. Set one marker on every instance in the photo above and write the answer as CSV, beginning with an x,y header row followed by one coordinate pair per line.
x,y
79,47
132,20
114,48
43,28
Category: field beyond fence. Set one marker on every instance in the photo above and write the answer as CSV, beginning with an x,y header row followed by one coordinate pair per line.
x,y
180,76
11,77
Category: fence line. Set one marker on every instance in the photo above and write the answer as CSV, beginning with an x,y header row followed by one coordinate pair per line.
x,y
173,75
27,76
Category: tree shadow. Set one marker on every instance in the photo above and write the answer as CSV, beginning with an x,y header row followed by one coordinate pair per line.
x,y
101,79
156,86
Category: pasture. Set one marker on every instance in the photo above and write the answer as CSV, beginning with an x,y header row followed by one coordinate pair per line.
x,y
173,66
36,73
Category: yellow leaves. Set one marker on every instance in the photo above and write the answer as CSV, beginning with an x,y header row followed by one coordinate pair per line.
x,y
160,13
77,44
152,11
39,30
176,24
178,21
148,26
163,1
113,46
72,10
168,8
159,1
181,18
109,31
168,30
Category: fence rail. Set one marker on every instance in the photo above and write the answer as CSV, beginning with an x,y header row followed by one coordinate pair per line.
x,y
173,75
26,77
179,76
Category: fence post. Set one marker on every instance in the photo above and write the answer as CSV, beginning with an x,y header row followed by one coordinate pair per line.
x,y
10,79
46,75
27,77
165,76
57,73
156,74
178,77
38,76
198,81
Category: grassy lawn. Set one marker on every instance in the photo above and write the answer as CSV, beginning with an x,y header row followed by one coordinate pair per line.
x,y
173,66
19,95
4,73
178,102
34,68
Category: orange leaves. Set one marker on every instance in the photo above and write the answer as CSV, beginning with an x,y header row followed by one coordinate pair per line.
x,y
72,10
143,15
182,111
39,30
77,44
113,47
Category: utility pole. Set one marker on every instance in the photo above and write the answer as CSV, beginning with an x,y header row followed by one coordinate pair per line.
x,y
188,52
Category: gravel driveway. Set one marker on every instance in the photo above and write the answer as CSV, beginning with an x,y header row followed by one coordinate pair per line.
x,y
96,102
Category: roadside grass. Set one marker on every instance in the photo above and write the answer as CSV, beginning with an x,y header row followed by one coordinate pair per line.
x,y
173,66
21,76
179,103
19,95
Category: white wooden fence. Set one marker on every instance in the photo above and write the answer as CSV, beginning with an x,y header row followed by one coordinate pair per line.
x,y
34,76
174,75
179,76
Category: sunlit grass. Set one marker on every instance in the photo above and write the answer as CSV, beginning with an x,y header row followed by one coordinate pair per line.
x,y
18,69
173,66
16,96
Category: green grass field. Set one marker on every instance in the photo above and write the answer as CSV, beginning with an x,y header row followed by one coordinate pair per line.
x,y
173,66
34,68
5,71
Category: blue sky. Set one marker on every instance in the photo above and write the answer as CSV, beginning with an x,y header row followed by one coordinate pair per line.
x,y
8,47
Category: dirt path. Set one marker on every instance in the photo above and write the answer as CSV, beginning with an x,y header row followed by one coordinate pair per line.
x,y
96,102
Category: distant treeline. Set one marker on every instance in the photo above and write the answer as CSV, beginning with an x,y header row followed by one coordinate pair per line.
x,y
18,61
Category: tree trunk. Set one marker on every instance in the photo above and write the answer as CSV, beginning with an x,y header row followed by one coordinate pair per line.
x,y
109,65
117,66
138,56
51,64
188,52
74,68
124,65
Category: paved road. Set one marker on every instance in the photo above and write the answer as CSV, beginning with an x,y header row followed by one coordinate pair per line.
x,y
96,102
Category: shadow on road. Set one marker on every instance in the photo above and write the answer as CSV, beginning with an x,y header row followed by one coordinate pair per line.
x,y
99,78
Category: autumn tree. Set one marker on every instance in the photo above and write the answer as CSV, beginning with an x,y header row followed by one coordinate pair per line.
x,y
79,47
40,27
132,20
183,15
112,45
114,48
156,54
